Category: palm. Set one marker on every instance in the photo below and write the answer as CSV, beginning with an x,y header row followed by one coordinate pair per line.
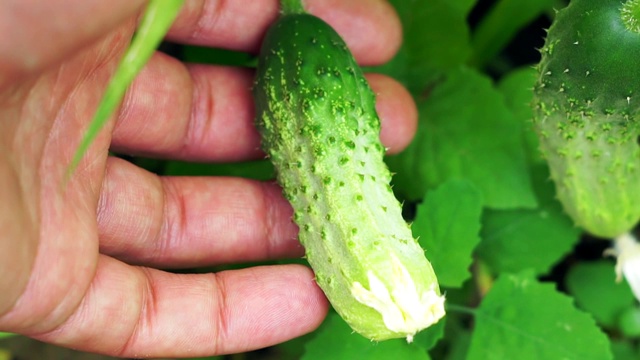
x,y
53,221
68,248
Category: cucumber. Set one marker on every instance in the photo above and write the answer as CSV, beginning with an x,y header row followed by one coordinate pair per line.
x,y
586,102
316,114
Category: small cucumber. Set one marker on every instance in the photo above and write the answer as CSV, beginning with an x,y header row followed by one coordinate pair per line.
x,y
316,113
587,102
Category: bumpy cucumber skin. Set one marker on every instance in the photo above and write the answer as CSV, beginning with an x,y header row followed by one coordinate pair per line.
x,y
317,117
586,114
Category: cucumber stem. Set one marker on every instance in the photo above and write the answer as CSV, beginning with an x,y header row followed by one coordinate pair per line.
x,y
630,13
289,7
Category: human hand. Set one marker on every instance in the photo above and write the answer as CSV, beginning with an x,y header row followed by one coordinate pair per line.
x,y
79,261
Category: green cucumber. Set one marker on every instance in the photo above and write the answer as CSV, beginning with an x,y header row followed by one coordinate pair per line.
x,y
587,102
316,114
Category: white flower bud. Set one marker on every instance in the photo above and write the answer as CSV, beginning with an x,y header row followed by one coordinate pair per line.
x,y
627,251
403,309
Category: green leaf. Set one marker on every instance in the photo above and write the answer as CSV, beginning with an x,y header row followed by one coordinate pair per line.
x,y
630,322
457,338
624,350
4,335
459,346
430,336
499,26
521,318
518,239
447,224
292,349
336,341
155,23
462,6
466,131
595,289
517,89
427,25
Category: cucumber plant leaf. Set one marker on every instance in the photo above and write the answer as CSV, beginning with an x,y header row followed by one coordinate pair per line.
x,y
429,337
518,239
447,224
629,322
459,346
466,131
596,291
426,26
517,89
521,318
336,340
501,24
464,7
624,350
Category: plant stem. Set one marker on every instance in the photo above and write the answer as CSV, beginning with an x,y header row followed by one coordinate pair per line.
x,y
292,7
4,335
460,309
483,278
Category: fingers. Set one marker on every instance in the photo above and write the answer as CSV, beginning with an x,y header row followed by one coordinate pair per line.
x,y
370,28
231,24
197,113
397,111
189,222
357,22
178,222
206,113
141,312
68,25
